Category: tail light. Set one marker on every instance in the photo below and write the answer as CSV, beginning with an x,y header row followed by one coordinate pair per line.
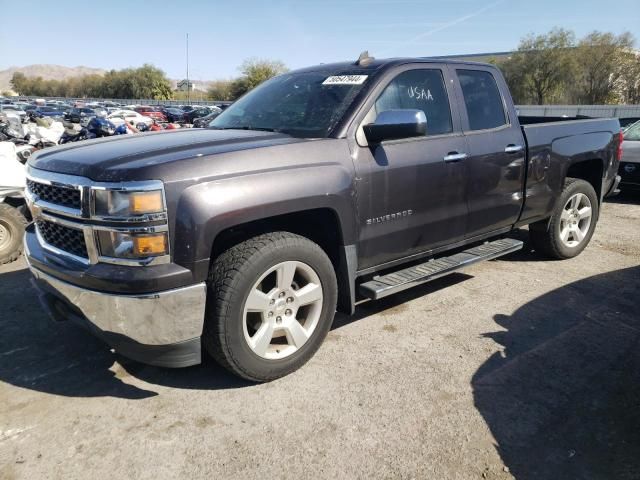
x,y
619,151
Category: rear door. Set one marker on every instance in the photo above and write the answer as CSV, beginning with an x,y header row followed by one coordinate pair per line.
x,y
496,161
411,192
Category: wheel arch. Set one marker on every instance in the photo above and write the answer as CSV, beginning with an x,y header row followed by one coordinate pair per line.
x,y
320,225
590,170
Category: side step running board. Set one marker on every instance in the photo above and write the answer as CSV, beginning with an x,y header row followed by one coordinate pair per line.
x,y
391,283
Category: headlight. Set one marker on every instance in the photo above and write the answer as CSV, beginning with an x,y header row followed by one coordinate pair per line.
x,y
132,245
126,204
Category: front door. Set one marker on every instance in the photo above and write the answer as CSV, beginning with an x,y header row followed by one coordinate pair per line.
x,y
411,192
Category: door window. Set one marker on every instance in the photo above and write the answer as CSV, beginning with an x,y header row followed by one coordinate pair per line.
x,y
482,99
424,90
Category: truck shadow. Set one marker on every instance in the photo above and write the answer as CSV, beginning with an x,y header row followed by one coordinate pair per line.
x,y
63,359
625,198
562,398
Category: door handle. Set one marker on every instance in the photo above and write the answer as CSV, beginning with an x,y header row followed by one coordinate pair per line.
x,y
513,148
455,157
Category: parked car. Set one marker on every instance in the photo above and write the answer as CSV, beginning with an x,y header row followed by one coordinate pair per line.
x,y
630,162
78,114
191,115
100,111
202,122
14,214
129,116
174,115
45,111
320,186
151,112
628,121
16,110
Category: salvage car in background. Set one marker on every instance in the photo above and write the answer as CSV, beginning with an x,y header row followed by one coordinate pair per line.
x,y
151,112
203,122
199,112
630,163
14,214
76,115
16,110
174,114
46,111
129,116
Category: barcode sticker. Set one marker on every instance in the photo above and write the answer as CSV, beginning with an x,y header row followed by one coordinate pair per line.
x,y
345,80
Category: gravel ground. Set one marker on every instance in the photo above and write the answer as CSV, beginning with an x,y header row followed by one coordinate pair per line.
x,y
516,368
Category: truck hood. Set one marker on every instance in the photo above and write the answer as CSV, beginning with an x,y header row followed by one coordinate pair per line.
x,y
149,155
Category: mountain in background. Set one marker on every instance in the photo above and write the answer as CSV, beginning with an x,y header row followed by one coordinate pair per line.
x,y
60,72
47,72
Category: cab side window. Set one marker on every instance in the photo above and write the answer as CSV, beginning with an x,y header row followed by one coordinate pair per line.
x,y
482,99
424,90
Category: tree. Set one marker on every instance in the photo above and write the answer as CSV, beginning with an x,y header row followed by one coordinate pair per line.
x,y
254,72
19,83
541,67
221,90
628,82
600,56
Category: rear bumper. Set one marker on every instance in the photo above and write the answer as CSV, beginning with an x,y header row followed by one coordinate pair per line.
x,y
162,328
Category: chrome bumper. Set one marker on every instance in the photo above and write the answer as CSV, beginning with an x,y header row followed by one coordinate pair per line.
x,y
153,319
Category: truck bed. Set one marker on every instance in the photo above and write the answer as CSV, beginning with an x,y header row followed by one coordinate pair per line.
x,y
550,144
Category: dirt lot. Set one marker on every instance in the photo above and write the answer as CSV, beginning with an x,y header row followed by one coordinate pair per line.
x,y
517,368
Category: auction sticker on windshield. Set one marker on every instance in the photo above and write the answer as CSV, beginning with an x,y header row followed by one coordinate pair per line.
x,y
345,80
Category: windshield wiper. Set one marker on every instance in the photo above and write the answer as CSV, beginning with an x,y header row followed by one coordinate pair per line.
x,y
249,127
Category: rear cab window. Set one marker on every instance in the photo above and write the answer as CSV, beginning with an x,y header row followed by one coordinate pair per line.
x,y
482,99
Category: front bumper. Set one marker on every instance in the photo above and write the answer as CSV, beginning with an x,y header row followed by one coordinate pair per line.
x,y
630,173
161,328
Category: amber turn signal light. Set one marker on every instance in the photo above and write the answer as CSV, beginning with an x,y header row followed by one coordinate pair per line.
x,y
145,202
150,244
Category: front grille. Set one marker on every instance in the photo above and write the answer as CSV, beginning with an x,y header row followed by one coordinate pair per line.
x,y
630,172
68,239
64,196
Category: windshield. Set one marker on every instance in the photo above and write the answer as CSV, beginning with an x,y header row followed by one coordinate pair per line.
x,y
305,105
633,132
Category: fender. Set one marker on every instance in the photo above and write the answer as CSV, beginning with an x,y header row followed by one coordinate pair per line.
x,y
206,209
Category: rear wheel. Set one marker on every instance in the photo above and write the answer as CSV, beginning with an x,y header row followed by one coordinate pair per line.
x,y
12,225
270,304
570,228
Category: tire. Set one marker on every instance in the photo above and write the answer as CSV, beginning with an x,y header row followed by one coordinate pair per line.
x,y
12,225
566,234
248,303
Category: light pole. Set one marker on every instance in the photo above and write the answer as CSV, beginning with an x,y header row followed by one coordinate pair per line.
x,y
188,84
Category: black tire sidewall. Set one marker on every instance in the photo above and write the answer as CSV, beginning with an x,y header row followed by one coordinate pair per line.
x,y
249,362
577,186
15,222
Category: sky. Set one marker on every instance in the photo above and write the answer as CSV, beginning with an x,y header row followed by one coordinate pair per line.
x,y
118,34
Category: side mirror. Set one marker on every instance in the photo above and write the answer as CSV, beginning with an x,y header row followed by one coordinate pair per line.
x,y
396,124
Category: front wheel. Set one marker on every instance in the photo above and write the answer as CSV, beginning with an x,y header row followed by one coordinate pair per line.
x,y
570,228
270,304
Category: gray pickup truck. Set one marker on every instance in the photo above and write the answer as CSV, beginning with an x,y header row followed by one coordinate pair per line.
x,y
322,187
